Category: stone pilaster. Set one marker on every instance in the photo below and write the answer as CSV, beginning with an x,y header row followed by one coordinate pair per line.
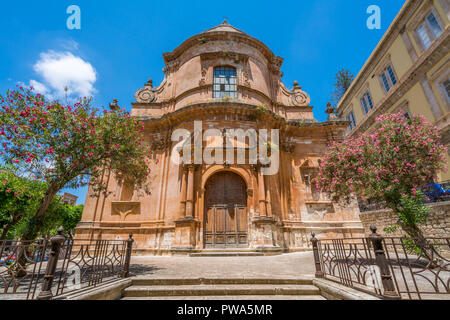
x,y
182,213
261,194
431,97
190,192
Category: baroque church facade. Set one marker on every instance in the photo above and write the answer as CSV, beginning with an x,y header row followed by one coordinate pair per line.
x,y
224,79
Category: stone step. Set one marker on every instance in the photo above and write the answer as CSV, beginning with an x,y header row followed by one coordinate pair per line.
x,y
247,297
220,290
208,281
227,254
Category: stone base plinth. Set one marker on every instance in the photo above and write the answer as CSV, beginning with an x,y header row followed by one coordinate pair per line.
x,y
185,234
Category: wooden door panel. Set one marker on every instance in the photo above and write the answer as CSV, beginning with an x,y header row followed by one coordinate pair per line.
x,y
226,211
231,219
220,220
242,219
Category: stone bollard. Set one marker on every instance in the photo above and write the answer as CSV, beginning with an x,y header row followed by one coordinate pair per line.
x,y
56,243
380,259
314,241
126,266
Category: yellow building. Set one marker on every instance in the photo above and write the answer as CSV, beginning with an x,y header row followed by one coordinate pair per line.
x,y
408,71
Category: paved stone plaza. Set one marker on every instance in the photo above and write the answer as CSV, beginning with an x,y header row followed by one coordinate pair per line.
x,y
286,265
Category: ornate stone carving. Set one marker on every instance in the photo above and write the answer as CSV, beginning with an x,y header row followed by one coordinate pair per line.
x,y
124,209
275,66
114,105
171,66
202,81
288,146
160,143
146,94
320,210
331,115
299,97
246,78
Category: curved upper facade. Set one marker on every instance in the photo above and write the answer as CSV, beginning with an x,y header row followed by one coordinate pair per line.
x,y
193,71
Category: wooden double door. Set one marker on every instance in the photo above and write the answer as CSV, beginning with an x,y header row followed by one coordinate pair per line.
x,y
226,224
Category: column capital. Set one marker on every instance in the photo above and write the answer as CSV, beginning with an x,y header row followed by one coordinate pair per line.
x,y
191,167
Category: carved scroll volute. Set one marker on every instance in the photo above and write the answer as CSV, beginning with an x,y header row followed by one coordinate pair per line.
x,y
299,97
146,94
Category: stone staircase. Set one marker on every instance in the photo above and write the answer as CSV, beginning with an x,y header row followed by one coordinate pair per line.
x,y
222,289
227,254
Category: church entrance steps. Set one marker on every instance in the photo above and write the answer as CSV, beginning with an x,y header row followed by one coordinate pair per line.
x,y
218,281
225,289
227,254
250,298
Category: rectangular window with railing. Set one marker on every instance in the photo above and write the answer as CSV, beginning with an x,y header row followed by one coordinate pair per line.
x,y
446,87
388,78
366,102
351,119
428,31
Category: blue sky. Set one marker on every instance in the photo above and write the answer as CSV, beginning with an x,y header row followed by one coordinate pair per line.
x,y
120,44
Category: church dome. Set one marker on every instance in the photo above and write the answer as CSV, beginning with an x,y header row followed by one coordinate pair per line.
x,y
223,65
224,27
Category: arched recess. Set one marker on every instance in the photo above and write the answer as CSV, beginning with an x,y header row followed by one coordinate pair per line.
x,y
225,221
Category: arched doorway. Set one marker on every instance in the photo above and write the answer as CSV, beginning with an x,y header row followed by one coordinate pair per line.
x,y
225,224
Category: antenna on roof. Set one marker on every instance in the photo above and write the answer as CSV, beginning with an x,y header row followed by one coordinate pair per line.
x,y
225,20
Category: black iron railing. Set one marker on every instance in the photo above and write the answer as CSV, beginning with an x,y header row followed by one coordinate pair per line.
x,y
390,268
46,269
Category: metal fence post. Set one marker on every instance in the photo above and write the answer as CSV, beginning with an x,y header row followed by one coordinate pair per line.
x,y
126,267
380,259
56,243
314,241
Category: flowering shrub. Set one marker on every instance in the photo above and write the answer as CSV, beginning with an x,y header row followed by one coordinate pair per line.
x,y
18,198
393,162
389,164
65,146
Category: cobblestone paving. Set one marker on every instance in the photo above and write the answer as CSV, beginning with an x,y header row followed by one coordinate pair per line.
x,y
284,266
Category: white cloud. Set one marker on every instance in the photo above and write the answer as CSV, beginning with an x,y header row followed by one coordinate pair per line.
x,y
62,69
69,44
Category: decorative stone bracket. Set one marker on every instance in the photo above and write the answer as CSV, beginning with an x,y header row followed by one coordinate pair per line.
x,y
146,94
299,97
125,208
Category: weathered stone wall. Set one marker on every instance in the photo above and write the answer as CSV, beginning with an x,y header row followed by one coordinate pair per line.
x,y
438,224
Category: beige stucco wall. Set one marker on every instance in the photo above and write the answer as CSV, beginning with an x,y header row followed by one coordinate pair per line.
x,y
438,224
393,48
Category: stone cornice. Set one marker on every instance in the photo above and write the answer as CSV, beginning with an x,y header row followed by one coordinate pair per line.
x,y
435,53
380,51
209,86
249,112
